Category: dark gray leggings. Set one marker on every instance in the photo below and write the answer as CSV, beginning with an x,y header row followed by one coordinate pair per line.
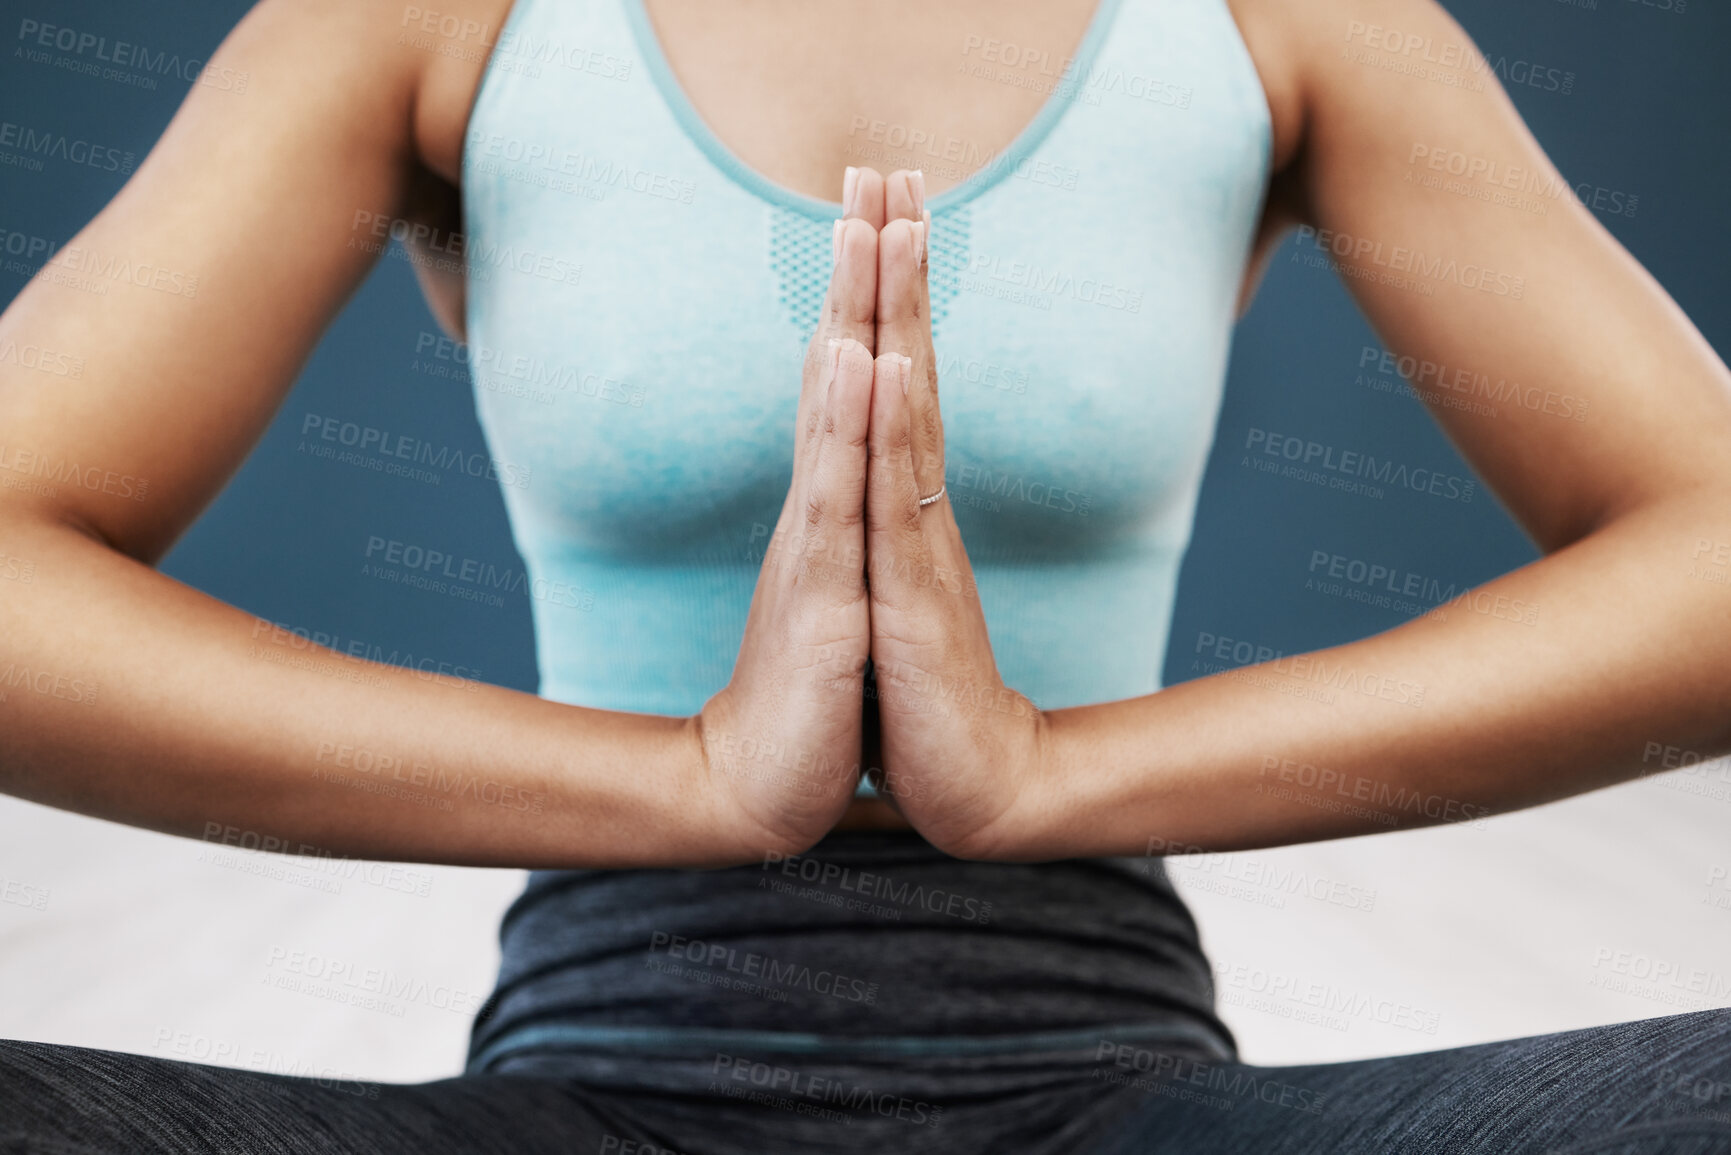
x,y
1655,1087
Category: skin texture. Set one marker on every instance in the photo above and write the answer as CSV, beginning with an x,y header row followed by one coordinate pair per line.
x,y
951,770
798,681
199,721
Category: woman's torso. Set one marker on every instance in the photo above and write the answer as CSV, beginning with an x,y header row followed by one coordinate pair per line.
x,y
640,291
640,298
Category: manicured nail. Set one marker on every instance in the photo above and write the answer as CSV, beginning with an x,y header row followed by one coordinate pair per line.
x,y
849,187
917,186
835,244
919,245
904,371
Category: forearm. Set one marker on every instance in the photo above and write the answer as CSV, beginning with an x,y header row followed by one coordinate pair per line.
x,y
1468,711
131,697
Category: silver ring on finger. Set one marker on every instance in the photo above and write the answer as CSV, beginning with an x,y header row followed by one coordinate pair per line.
x,y
924,501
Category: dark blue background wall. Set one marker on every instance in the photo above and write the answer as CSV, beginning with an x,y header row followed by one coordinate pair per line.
x,y
1646,118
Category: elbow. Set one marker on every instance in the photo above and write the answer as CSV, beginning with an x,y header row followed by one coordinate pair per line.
x,y
33,523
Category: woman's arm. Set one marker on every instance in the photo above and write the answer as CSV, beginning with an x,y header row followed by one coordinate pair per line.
x,y
130,696
1481,710
1549,681
127,695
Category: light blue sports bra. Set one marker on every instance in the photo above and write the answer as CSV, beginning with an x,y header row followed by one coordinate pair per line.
x,y
639,304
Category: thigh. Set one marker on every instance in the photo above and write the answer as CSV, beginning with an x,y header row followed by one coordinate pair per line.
x,y
73,1101
1654,1087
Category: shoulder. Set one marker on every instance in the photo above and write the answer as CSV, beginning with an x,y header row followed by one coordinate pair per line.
x,y
414,67
1310,56
454,40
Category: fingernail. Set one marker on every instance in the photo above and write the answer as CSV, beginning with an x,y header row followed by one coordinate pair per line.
x,y
919,245
917,186
835,244
849,187
904,371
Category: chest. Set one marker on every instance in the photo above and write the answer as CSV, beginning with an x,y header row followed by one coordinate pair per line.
x,y
640,295
801,90
798,92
